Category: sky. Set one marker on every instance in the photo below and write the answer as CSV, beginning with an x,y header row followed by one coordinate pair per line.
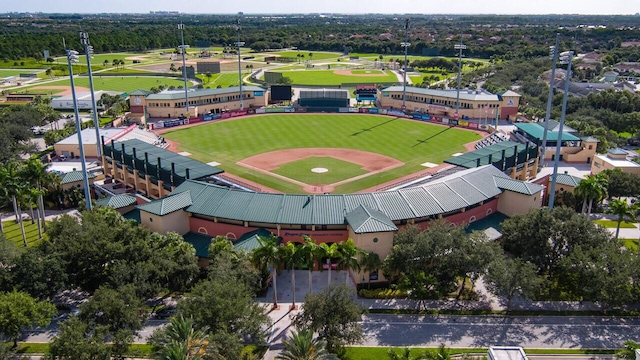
x,y
327,6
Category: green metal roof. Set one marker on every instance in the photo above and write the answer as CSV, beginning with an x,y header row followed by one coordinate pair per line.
x,y
141,92
117,201
249,241
537,131
176,95
200,242
569,180
173,202
491,152
197,169
461,189
518,186
364,220
75,176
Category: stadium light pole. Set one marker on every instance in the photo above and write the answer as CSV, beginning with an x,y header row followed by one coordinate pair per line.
x,y
239,44
459,47
88,52
405,44
552,193
72,57
553,53
183,50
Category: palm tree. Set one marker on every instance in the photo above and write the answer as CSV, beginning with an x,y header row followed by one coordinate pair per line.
x,y
349,257
105,63
329,252
370,262
180,340
441,354
405,354
623,210
307,255
13,185
290,258
36,172
268,255
593,187
301,345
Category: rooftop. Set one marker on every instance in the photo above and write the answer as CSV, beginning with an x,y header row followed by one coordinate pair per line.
x,y
117,201
537,131
622,163
176,95
197,169
89,136
469,95
75,176
446,194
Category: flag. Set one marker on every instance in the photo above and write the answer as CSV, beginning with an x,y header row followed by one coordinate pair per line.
x,y
486,108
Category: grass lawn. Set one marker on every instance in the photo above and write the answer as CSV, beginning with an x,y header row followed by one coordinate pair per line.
x,y
301,170
631,244
115,83
409,141
4,73
294,54
224,80
98,59
614,224
12,232
328,77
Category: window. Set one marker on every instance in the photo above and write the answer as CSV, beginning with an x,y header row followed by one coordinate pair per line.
x,y
489,211
375,239
472,219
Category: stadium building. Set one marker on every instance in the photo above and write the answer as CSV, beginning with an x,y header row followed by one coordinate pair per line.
x,y
172,103
200,211
474,104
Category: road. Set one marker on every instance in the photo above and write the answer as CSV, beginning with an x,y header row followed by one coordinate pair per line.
x,y
458,331
483,331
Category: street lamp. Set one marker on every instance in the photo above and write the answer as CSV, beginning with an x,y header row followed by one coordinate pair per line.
x,y
405,45
553,53
88,51
72,57
183,49
564,59
459,47
239,44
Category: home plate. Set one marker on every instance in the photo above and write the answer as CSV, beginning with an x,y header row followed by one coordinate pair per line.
x,y
457,154
213,163
184,153
429,165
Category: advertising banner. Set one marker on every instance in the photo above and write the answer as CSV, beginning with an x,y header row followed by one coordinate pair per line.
x,y
289,109
473,126
343,110
373,110
261,111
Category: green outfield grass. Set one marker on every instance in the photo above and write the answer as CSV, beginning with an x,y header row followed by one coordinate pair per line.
x,y
328,77
4,73
338,170
224,80
117,83
98,59
294,54
409,141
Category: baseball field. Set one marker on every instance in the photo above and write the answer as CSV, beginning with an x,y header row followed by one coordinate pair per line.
x,y
337,153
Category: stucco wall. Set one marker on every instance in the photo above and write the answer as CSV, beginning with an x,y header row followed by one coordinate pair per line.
x,y
512,203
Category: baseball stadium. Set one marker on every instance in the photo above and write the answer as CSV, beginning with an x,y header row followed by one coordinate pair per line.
x,y
242,170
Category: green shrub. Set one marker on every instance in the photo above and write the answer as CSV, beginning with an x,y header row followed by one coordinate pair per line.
x,y
382,293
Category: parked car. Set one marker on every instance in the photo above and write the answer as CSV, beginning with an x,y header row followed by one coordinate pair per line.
x,y
166,312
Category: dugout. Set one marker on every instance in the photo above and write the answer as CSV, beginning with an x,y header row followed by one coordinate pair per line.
x,y
329,100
